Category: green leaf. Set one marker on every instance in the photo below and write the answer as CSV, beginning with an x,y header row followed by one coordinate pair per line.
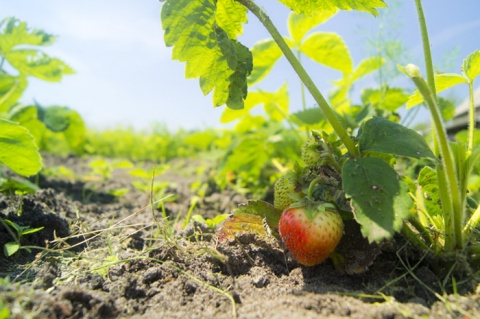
x,y
18,149
14,185
328,49
29,230
380,135
471,65
265,54
309,116
191,28
367,66
308,7
10,248
274,103
11,89
38,64
386,98
299,24
27,116
13,32
250,155
379,197
428,194
238,80
230,16
55,118
442,82
76,131
447,108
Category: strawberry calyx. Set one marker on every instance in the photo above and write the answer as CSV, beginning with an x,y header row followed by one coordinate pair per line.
x,y
313,207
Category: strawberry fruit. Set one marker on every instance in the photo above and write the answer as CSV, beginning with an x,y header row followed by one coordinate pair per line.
x,y
283,189
311,234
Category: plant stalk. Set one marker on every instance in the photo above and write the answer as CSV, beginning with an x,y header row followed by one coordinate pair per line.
x,y
426,48
430,97
304,77
471,124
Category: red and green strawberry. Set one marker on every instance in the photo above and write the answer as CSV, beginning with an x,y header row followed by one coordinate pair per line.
x,y
311,234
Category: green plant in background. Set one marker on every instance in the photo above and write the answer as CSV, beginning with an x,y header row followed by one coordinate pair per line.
x,y
14,246
210,222
24,128
359,170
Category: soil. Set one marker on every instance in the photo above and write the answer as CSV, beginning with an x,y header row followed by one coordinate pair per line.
x,y
108,256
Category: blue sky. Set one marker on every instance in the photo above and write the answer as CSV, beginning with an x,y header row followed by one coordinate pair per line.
x,y
125,76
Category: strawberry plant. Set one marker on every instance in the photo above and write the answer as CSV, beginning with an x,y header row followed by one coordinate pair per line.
x,y
26,128
351,167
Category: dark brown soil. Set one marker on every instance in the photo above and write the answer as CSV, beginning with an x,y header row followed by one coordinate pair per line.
x,y
108,257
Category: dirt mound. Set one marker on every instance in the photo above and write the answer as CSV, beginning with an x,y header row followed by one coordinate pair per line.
x,y
109,256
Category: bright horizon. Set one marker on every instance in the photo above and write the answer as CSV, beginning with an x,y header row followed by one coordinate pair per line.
x,y
125,75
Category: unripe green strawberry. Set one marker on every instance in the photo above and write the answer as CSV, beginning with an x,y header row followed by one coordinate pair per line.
x,y
310,154
311,236
283,189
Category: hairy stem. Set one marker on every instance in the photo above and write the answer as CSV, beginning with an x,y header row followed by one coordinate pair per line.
x,y
305,78
426,48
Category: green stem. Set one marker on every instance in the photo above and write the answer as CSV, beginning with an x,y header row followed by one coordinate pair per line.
x,y
447,208
305,78
426,48
422,231
455,212
413,237
429,94
428,64
447,160
471,124
302,92
472,222
302,87
9,230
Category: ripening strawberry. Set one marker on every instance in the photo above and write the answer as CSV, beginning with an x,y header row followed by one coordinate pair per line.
x,y
283,189
311,235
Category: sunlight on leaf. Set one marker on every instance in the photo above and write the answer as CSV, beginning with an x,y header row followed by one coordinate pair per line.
x,y
299,24
221,63
274,103
442,82
389,99
14,32
471,65
11,89
328,49
38,64
367,66
19,151
309,116
309,7
230,16
265,54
